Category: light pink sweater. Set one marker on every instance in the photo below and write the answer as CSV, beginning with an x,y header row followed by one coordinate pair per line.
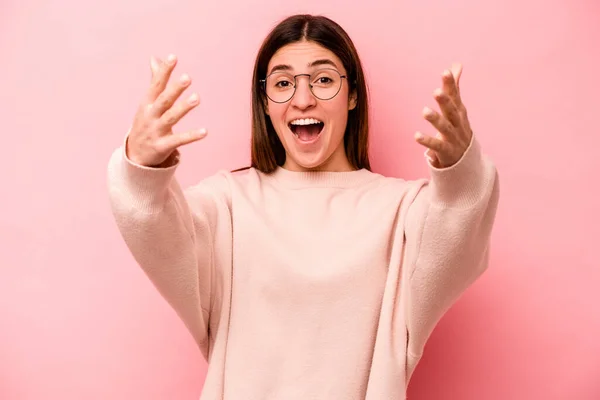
x,y
305,286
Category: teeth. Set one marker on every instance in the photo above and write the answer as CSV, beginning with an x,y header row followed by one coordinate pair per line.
x,y
305,121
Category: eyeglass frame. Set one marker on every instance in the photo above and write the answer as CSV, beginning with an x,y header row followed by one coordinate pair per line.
x,y
264,84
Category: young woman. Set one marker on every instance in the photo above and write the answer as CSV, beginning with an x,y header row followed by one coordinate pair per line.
x,y
306,275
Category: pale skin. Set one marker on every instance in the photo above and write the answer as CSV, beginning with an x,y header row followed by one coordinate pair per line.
x,y
153,143
329,153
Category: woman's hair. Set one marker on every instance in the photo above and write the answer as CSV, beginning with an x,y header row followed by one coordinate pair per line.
x,y
267,151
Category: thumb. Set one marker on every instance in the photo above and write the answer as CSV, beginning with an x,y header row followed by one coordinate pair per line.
x,y
172,142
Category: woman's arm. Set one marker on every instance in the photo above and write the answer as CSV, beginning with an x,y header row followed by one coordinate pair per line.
x,y
448,229
171,243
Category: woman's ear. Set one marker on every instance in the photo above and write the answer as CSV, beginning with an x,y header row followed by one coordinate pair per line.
x,y
352,100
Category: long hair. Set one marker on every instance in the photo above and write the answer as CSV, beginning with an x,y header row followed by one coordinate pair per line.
x,y
267,151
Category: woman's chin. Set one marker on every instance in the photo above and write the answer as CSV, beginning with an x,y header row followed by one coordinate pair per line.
x,y
304,158
308,156
304,163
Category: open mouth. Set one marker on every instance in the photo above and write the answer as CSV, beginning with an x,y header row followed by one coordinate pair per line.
x,y
307,129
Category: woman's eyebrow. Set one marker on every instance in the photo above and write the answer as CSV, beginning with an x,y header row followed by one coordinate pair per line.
x,y
316,63
322,61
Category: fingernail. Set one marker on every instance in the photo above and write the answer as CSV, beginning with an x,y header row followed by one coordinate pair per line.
x,y
171,58
185,79
193,99
427,111
202,131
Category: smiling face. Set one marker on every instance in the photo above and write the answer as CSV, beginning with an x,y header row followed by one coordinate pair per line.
x,y
310,129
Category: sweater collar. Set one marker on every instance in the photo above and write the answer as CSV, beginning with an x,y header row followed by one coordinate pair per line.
x,y
311,179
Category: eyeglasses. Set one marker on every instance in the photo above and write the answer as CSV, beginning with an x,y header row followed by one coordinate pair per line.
x,y
324,84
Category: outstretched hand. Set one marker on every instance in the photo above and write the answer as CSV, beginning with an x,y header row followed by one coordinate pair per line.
x,y
453,129
151,139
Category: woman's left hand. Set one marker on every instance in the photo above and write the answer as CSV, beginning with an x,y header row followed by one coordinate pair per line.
x,y
453,130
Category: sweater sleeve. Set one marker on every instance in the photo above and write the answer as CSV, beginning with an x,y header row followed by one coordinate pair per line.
x,y
448,229
169,232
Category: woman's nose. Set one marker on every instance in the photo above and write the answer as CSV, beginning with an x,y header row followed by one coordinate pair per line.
x,y
303,97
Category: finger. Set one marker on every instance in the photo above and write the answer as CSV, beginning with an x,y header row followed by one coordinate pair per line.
x,y
448,107
174,114
154,66
450,86
431,156
176,140
168,97
161,78
432,143
456,70
440,123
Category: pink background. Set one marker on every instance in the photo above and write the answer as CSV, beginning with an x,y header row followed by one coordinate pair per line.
x,y
79,320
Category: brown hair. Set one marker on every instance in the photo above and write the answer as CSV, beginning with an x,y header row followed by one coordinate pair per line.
x,y
267,151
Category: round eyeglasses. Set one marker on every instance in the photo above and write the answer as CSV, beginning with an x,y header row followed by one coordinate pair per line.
x,y
324,84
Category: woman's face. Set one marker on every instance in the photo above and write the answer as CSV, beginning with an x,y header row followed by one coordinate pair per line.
x,y
310,129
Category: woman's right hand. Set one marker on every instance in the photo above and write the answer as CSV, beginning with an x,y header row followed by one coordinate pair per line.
x,y
151,140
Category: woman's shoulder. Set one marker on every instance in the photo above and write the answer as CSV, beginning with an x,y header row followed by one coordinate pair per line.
x,y
221,182
388,181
